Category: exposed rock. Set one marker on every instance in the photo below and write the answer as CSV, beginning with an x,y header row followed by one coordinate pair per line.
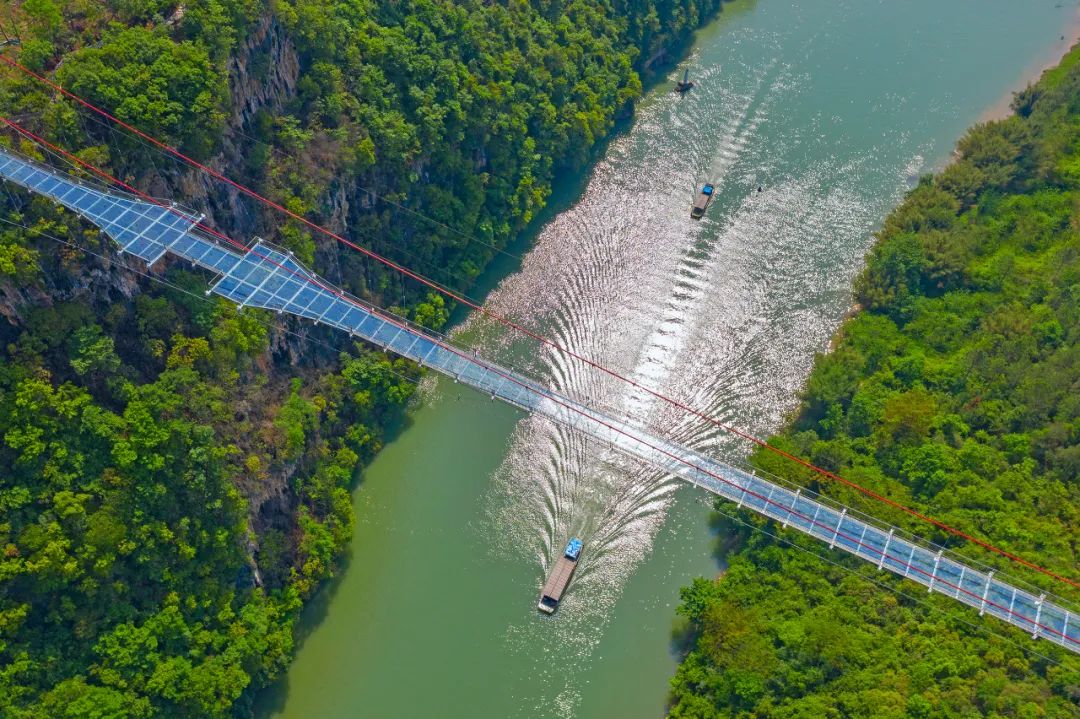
x,y
262,72
262,75
177,16
339,206
100,279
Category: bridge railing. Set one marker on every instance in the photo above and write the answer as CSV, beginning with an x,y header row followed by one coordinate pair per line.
x,y
266,276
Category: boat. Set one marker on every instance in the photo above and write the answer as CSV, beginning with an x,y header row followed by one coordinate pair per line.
x,y
702,202
559,578
685,84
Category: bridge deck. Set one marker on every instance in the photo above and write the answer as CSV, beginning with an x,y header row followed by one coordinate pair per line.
x,y
269,278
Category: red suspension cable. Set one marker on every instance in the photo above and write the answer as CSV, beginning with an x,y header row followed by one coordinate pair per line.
x,y
838,533
533,335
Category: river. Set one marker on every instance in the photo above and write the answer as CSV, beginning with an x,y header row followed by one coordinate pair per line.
x,y
833,108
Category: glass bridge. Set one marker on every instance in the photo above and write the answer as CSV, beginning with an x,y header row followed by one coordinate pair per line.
x,y
266,277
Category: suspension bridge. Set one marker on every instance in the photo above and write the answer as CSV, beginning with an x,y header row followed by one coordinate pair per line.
x,y
263,276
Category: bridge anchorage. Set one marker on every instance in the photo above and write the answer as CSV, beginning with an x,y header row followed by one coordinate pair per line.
x,y
267,277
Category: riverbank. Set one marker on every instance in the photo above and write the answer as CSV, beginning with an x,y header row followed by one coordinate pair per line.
x,y
1003,107
947,392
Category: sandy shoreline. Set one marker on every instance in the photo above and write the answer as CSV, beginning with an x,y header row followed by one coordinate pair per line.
x,y
1070,36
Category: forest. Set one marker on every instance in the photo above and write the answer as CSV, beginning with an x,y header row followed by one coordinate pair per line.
x,y
179,473
956,391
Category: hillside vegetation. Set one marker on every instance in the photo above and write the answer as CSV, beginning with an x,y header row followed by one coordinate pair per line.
x,y
461,110
177,473
955,390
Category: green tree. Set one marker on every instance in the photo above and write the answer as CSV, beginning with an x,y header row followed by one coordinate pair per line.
x,y
168,89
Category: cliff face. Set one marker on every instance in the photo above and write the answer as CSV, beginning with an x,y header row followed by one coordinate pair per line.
x,y
262,73
96,279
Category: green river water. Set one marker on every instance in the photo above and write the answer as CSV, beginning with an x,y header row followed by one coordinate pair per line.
x,y
833,108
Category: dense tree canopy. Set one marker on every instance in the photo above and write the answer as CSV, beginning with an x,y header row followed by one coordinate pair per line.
x,y
165,88
957,391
